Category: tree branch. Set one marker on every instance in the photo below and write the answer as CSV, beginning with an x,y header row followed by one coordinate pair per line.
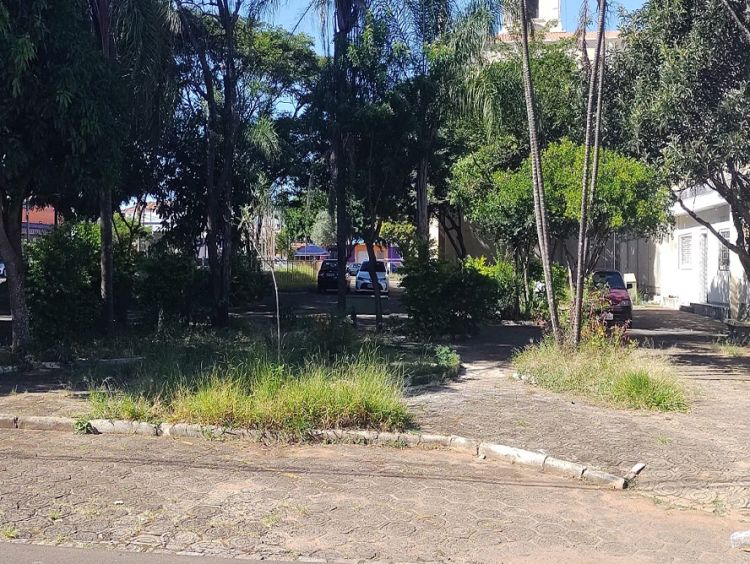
x,y
724,241
737,19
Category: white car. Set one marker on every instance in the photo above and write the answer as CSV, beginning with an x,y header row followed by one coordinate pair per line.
x,y
363,284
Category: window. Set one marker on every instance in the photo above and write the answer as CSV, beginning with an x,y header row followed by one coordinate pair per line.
x,y
685,252
610,279
532,9
723,251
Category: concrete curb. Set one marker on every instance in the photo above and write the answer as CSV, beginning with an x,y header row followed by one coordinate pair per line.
x,y
741,540
493,451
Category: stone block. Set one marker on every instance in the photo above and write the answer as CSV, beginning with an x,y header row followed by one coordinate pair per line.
x,y
45,423
564,468
605,479
513,455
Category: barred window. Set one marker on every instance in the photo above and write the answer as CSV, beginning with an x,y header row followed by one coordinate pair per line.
x,y
723,251
685,257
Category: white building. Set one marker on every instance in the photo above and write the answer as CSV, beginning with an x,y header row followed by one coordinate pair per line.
x,y
690,267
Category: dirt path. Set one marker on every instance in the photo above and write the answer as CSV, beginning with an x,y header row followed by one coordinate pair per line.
x,y
695,459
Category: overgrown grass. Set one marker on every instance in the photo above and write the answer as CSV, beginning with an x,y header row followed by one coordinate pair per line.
x,y
623,376
297,276
729,349
233,380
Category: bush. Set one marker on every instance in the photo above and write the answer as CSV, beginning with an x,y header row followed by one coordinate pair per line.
x,y
249,284
170,287
62,283
449,299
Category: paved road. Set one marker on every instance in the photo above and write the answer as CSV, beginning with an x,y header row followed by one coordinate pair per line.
x,y
326,502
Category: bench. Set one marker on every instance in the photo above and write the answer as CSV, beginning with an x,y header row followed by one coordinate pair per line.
x,y
739,331
364,304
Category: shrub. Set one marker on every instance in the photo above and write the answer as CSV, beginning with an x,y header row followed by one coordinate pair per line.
x,y
170,286
443,298
62,283
249,283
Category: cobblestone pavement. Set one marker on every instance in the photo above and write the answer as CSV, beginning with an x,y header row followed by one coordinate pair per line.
x,y
328,502
698,459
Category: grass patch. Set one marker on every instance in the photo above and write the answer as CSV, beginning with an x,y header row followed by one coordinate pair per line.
x,y
622,376
235,381
297,276
729,349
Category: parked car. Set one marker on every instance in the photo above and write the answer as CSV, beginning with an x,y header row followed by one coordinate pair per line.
x,y
363,284
328,275
620,310
353,268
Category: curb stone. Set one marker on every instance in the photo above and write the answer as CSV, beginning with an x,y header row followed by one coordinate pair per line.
x,y
512,455
40,423
740,539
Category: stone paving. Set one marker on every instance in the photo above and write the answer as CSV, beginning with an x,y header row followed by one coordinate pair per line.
x,y
698,459
327,502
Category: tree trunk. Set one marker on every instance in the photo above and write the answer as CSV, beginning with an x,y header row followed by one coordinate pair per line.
x,y
423,216
106,256
540,208
10,248
372,261
338,175
583,230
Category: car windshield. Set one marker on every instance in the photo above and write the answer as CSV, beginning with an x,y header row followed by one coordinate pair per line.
x,y
328,265
379,266
612,280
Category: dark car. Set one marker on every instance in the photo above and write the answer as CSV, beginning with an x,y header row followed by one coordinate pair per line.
x,y
328,275
620,310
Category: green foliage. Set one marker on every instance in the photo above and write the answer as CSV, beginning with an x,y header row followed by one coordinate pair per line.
x,y
401,234
62,283
444,298
446,357
630,199
170,286
610,372
249,284
323,231
228,379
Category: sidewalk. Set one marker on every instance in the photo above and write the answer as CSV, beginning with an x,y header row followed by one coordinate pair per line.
x,y
333,502
699,459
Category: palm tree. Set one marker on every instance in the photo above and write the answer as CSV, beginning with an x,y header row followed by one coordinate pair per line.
x,y
130,35
590,169
540,208
440,83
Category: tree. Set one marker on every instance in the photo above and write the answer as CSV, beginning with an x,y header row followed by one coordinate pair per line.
x,y
234,72
682,102
630,201
540,208
323,231
49,121
445,45
133,40
590,169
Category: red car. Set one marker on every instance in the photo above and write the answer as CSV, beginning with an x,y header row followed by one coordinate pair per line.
x,y
620,310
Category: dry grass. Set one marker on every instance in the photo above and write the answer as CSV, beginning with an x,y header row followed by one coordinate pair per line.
x,y
622,376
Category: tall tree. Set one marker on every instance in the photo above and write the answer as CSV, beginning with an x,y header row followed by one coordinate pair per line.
x,y
132,36
540,206
446,43
590,165
683,102
49,121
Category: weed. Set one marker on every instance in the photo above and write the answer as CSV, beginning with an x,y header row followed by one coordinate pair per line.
x,y
82,426
10,532
55,514
662,440
616,373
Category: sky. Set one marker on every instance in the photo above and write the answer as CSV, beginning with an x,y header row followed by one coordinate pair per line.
x,y
291,14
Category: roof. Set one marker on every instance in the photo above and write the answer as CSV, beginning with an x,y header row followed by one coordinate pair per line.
x,y
555,36
310,251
